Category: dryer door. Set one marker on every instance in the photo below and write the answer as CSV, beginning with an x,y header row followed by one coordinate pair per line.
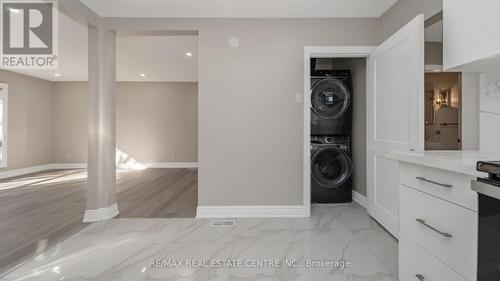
x,y
330,98
330,167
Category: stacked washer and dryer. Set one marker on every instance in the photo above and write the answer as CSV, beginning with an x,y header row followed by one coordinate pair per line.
x,y
331,126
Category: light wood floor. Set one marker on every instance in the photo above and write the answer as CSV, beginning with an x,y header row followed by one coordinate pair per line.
x,y
39,210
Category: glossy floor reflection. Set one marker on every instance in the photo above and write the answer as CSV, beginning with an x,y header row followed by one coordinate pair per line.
x,y
126,249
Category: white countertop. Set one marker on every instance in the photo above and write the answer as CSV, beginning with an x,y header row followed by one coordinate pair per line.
x,y
460,161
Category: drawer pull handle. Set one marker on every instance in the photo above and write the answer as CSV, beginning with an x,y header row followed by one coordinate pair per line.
x,y
435,182
445,234
420,277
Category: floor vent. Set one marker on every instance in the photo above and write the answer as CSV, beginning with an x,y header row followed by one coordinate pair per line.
x,y
223,223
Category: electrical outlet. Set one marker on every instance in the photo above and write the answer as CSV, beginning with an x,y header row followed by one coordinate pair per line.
x,y
172,156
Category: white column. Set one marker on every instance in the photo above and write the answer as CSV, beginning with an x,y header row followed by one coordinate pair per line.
x,y
101,167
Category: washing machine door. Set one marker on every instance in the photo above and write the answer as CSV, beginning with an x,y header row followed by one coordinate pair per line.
x,y
330,167
330,98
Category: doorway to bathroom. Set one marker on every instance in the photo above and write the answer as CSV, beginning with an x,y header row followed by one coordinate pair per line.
x,y
443,128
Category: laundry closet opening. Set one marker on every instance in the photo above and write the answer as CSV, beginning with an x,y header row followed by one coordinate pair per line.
x,y
337,128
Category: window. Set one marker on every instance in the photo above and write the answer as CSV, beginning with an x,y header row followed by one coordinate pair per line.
x,y
3,124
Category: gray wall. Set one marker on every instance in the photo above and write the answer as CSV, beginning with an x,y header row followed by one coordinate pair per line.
x,y
156,121
404,11
47,122
250,128
433,53
70,122
29,121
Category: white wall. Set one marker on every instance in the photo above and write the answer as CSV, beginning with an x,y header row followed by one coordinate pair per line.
x,y
490,111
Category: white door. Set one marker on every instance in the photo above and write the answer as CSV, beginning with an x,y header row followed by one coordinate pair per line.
x,y
394,116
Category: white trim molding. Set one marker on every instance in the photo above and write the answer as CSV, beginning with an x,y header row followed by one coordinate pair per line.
x,y
359,198
70,166
24,171
172,165
4,95
158,165
319,52
285,211
40,168
433,68
101,214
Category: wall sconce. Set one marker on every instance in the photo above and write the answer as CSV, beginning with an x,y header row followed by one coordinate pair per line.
x,y
443,98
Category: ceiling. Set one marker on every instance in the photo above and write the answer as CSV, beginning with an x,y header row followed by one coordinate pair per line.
x,y
158,56
240,8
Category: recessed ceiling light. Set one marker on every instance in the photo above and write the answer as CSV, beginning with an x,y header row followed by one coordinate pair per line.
x,y
189,54
142,75
57,75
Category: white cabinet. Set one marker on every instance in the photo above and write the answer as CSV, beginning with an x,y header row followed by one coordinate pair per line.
x,y
470,35
445,230
417,264
438,224
454,187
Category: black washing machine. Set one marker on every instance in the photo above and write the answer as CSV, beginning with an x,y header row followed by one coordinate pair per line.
x,y
331,169
331,102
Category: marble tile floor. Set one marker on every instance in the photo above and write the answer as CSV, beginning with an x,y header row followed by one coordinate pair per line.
x,y
338,242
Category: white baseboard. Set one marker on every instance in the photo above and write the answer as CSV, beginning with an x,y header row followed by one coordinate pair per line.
x,y
262,211
24,171
359,198
172,165
64,166
251,211
101,214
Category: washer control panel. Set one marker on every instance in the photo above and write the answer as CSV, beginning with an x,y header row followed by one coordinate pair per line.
x,y
330,139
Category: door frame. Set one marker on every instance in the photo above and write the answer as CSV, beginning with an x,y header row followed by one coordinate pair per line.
x,y
321,52
5,97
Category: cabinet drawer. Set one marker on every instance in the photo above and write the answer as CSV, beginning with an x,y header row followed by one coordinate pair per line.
x,y
416,264
447,185
445,230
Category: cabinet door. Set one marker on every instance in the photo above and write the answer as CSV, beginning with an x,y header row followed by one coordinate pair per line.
x,y
395,116
470,35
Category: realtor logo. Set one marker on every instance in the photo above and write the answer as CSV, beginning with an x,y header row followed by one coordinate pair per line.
x,y
29,34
